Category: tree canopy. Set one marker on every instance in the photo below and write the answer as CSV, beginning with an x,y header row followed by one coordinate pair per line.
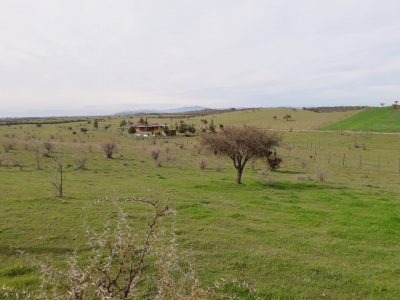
x,y
242,144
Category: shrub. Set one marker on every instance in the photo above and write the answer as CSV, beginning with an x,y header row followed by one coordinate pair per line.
x,y
80,162
37,154
48,149
132,130
18,164
320,175
155,153
7,147
273,160
109,148
203,163
122,265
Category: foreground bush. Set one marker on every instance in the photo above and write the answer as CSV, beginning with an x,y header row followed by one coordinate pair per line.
x,y
125,263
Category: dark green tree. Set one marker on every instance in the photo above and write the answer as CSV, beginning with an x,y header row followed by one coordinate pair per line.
x,y
132,130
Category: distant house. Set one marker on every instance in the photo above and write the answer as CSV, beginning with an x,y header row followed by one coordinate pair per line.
x,y
149,128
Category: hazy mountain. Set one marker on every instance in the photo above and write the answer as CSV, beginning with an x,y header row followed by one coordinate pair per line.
x,y
160,111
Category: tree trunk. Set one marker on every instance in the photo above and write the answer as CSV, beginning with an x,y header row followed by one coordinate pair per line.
x,y
239,175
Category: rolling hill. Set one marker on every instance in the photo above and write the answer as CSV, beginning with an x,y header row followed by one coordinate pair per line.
x,y
373,119
272,118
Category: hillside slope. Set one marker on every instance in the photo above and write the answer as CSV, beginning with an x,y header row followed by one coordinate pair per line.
x,y
300,119
373,119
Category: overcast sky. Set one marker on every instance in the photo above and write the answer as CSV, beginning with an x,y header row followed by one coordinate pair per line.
x,y
103,56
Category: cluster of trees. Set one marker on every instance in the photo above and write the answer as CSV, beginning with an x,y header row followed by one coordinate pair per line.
x,y
186,129
286,117
210,127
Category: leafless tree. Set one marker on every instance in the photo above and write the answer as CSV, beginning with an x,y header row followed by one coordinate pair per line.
x,y
37,155
241,144
155,154
109,148
48,149
59,184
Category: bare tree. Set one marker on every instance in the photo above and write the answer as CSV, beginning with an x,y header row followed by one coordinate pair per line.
x,y
80,162
37,154
48,149
59,185
109,148
155,154
241,144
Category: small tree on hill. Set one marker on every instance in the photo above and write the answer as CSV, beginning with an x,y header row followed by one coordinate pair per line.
x,y
287,117
96,124
59,184
241,144
123,123
211,127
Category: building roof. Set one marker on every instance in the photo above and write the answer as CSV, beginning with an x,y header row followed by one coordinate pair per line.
x,y
151,125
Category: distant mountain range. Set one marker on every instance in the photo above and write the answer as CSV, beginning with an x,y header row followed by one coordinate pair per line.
x,y
162,111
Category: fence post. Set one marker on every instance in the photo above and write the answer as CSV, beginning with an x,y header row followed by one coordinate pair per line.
x,y
344,158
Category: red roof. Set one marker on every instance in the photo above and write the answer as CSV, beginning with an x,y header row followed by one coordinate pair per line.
x,y
151,125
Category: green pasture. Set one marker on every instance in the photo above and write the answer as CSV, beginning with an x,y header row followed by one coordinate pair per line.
x,y
385,119
324,226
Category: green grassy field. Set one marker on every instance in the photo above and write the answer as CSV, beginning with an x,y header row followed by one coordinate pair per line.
x,y
324,226
373,119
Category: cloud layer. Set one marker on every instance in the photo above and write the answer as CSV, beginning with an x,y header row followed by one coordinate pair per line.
x,y
99,56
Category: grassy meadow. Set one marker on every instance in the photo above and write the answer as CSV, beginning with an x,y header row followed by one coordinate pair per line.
x,y
384,119
324,226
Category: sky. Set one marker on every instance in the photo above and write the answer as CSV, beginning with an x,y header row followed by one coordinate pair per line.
x,y
75,57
